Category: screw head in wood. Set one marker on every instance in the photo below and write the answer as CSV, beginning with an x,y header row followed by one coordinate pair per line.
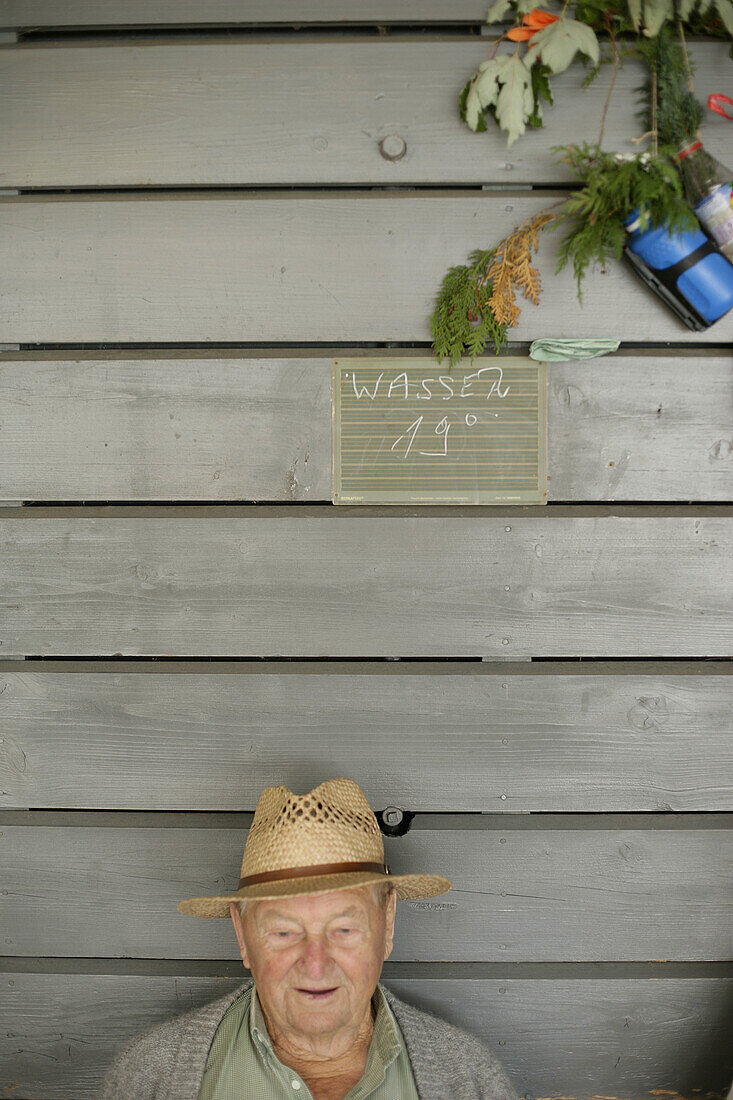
x,y
393,147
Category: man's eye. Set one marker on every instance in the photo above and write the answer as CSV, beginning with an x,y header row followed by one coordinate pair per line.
x,y
282,935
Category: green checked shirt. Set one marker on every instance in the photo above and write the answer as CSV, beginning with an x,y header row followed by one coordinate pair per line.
x,y
243,1066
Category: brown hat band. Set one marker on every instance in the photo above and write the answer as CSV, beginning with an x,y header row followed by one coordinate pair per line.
x,y
317,869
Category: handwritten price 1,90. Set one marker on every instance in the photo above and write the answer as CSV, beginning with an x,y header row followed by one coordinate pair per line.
x,y
442,428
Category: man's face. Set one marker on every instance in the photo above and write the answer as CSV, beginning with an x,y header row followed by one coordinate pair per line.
x,y
316,960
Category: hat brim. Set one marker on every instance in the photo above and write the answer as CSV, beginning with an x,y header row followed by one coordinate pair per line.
x,y
405,886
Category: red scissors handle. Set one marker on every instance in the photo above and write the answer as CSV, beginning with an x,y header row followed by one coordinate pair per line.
x,y
718,103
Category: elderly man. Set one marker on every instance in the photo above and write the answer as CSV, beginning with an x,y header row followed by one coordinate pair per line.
x,y
314,917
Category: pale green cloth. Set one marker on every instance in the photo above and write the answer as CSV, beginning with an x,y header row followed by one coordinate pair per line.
x,y
243,1066
559,350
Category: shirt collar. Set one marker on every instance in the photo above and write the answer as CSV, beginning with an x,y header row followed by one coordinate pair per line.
x,y
387,1036
257,1026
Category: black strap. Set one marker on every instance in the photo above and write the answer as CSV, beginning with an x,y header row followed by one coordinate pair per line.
x,y
670,275
663,281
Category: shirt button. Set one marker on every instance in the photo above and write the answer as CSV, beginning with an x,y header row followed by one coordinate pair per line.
x,y
296,1085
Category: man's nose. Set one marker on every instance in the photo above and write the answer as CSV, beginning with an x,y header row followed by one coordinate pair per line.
x,y
315,956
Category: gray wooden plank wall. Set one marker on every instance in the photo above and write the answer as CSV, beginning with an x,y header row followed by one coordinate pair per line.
x,y
560,716
576,889
282,582
322,122
198,269
619,1036
570,737
136,429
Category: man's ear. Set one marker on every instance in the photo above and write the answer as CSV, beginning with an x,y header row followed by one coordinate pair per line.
x,y
238,922
389,915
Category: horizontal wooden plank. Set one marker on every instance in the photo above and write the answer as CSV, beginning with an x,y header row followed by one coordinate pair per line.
x,y
624,445
124,429
580,1038
329,582
546,894
101,13
545,738
211,114
275,269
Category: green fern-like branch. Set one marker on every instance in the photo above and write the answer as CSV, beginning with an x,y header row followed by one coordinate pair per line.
x,y
613,188
462,322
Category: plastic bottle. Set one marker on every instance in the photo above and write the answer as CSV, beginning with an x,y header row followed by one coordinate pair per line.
x,y
707,185
685,269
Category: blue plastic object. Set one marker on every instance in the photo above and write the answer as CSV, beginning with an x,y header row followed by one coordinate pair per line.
x,y
685,269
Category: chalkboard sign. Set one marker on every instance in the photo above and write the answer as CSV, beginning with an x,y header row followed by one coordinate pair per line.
x,y
405,430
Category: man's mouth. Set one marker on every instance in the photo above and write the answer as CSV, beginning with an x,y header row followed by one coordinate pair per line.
x,y
317,994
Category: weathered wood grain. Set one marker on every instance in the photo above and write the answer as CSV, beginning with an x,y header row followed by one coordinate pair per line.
x,y
210,113
549,737
562,1037
164,429
354,583
275,269
548,893
69,13
626,427
614,425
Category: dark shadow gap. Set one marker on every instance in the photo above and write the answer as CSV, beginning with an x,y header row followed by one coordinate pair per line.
x,y
126,190
313,30
325,502
447,971
424,820
372,659
328,346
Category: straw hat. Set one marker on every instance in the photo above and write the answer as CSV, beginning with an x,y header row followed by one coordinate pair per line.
x,y
328,839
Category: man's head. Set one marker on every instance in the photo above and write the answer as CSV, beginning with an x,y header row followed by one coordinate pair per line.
x,y
315,907
316,958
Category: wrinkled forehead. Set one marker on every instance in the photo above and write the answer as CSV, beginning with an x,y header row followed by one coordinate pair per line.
x,y
357,901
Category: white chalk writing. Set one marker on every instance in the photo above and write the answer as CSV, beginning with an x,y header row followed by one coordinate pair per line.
x,y
398,388
441,428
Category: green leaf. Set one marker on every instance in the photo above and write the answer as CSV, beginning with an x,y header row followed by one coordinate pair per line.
x,y
656,13
515,102
462,100
558,44
635,12
541,84
470,105
481,125
497,11
540,90
685,8
481,92
724,9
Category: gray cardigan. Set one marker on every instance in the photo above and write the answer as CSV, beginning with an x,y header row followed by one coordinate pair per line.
x,y
168,1061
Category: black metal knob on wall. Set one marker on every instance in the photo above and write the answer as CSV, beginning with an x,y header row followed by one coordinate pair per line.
x,y
394,822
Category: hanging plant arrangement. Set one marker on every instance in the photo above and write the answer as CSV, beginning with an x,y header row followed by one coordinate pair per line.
x,y
478,301
511,87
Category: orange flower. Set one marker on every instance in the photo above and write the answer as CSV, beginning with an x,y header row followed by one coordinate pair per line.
x,y
534,21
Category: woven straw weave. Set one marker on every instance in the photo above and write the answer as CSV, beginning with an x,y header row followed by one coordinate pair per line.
x,y
333,823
